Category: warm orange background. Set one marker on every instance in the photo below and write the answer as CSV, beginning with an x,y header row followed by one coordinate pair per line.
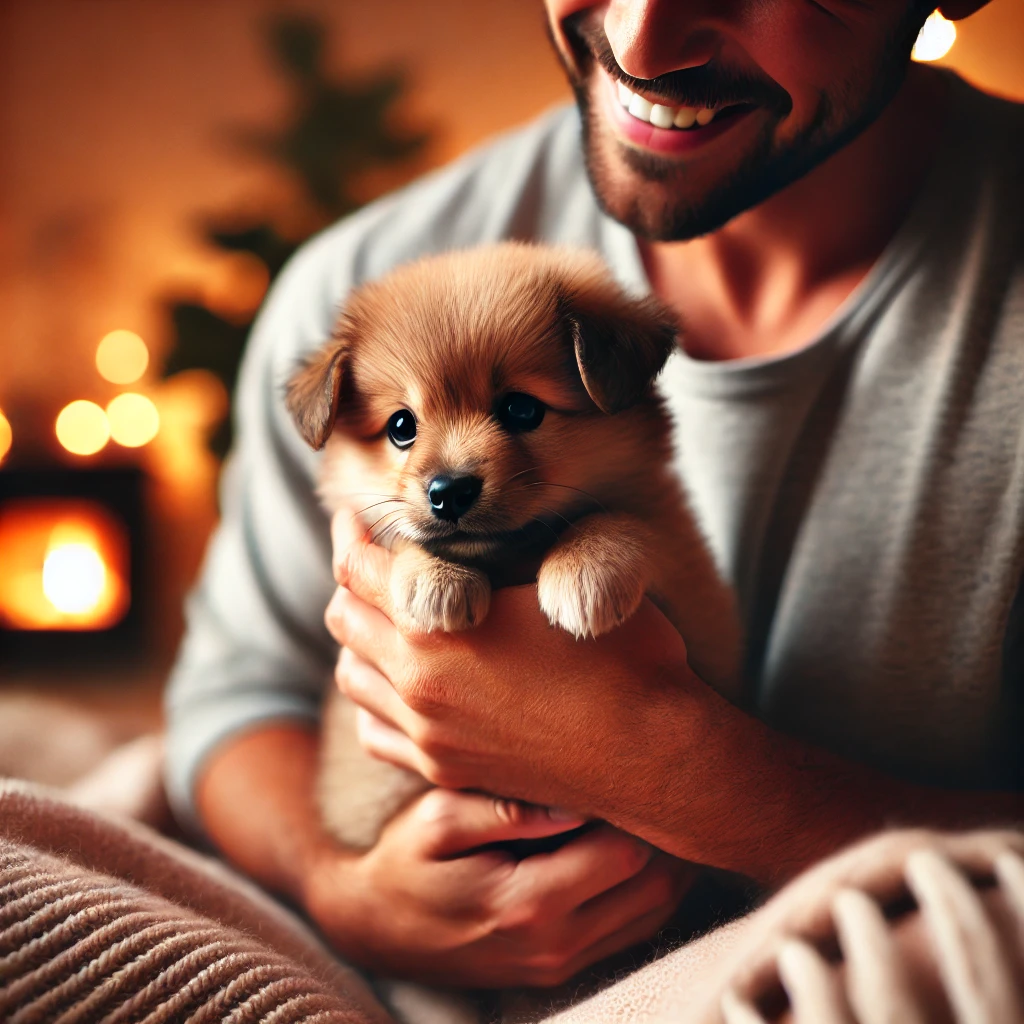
x,y
110,146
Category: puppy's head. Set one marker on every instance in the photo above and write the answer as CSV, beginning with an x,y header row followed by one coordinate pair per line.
x,y
481,399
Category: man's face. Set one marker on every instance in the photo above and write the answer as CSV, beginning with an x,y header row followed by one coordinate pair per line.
x,y
788,81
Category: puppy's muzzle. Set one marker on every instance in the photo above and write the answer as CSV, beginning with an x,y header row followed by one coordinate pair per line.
x,y
451,497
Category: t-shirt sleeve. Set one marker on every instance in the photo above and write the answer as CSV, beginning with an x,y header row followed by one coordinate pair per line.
x,y
256,648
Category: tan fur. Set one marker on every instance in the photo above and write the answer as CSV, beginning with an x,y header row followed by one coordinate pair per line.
x,y
586,504
603,518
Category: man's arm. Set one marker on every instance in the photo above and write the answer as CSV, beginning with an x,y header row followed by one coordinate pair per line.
x,y
427,902
617,728
266,775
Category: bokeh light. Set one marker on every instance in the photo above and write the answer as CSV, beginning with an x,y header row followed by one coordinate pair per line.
x,y
122,357
134,420
74,578
82,428
6,437
935,39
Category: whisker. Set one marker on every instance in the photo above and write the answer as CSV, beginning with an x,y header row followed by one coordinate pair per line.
x,y
579,490
366,494
370,528
376,504
380,537
515,476
555,512
537,519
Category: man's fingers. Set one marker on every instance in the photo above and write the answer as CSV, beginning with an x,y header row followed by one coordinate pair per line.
x,y
584,868
385,742
454,823
358,564
366,632
661,884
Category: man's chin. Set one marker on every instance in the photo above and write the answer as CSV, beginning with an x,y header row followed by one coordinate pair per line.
x,y
656,197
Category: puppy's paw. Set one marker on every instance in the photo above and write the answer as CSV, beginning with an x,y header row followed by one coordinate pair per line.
x,y
440,596
595,578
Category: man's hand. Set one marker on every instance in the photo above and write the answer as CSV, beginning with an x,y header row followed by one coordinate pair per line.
x,y
428,903
429,900
616,728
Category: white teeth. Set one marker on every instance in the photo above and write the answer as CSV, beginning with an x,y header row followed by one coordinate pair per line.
x,y
685,117
640,108
661,116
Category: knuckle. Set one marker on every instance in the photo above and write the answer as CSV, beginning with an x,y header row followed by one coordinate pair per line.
x,y
437,809
436,816
423,692
512,812
334,618
341,564
443,775
630,854
522,915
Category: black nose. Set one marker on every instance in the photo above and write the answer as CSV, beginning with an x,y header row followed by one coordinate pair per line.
x,y
451,497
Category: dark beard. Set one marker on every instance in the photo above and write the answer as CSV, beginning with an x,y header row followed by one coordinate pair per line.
x,y
765,170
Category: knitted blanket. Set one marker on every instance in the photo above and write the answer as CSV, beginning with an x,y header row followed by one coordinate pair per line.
x,y
105,921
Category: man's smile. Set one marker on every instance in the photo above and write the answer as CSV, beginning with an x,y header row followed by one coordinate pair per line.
x,y
644,123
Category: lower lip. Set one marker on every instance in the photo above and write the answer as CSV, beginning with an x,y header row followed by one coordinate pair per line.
x,y
671,141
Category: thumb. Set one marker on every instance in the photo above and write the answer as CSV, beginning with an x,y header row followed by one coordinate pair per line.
x,y
454,822
358,564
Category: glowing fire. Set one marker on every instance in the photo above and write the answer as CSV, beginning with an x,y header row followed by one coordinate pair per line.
x,y
936,38
74,578
63,566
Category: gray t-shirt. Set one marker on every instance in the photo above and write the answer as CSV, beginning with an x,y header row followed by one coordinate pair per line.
x,y
864,494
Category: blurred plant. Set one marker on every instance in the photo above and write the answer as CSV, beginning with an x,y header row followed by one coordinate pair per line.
x,y
338,131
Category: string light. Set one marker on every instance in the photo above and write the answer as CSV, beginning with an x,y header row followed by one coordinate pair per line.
x,y
134,420
935,39
82,428
122,357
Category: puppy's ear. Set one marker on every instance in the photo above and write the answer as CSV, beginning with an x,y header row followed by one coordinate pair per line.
x,y
621,343
314,389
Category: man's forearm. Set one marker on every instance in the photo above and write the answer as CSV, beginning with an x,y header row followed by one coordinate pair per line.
x,y
256,800
794,803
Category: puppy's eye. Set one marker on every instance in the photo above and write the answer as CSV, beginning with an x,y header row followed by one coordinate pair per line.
x,y
402,429
519,412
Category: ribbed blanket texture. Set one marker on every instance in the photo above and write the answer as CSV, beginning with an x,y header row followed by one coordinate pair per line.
x,y
105,922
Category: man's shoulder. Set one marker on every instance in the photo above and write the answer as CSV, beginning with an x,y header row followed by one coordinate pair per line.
x,y
995,126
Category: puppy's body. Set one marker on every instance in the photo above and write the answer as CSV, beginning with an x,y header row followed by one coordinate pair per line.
x,y
524,375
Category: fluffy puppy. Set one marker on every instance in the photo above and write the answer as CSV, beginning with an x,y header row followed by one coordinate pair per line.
x,y
492,412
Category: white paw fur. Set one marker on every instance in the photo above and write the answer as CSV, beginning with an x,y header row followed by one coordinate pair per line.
x,y
439,596
596,576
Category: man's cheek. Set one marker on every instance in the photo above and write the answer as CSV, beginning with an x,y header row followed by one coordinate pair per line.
x,y
557,12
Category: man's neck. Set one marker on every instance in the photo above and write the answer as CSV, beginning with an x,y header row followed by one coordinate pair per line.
x,y
768,281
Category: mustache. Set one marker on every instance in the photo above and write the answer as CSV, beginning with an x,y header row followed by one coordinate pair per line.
x,y
709,85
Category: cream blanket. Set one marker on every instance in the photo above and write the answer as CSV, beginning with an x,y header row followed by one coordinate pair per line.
x,y
103,920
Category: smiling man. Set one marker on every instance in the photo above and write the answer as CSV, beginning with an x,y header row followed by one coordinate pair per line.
x,y
840,233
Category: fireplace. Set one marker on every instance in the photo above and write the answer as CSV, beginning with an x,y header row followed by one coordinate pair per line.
x,y
72,547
